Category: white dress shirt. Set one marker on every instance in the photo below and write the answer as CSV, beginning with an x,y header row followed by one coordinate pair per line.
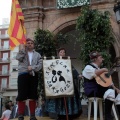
x,y
89,71
30,55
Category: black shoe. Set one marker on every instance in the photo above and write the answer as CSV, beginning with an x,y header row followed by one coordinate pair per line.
x,y
58,118
109,117
33,118
61,118
118,117
20,117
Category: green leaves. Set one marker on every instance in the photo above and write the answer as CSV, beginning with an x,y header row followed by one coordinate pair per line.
x,y
95,32
44,42
47,43
61,39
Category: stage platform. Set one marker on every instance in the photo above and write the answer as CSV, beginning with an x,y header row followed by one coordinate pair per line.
x,y
47,118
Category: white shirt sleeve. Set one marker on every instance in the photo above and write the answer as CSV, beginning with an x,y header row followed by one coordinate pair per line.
x,y
89,72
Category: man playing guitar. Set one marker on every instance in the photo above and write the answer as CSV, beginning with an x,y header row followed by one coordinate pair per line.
x,y
92,88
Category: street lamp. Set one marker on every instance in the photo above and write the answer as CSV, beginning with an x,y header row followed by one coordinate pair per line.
x,y
117,11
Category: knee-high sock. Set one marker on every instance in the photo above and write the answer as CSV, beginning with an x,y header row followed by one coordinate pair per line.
x,y
21,107
32,106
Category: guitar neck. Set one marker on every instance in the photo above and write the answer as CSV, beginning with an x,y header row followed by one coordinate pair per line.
x,y
109,73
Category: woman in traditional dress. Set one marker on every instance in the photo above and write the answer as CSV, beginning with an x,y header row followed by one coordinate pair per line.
x,y
73,103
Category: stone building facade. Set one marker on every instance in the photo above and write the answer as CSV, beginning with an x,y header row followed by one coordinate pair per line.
x,y
45,15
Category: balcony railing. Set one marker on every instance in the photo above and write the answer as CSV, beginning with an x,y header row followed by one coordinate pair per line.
x,y
4,73
4,26
5,36
5,60
2,48
2,90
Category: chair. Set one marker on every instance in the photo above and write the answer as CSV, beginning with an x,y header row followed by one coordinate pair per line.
x,y
114,112
98,101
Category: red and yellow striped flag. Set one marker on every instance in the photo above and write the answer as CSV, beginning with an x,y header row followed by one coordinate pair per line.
x,y
16,28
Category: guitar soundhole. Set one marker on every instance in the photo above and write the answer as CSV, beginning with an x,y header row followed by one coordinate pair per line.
x,y
107,75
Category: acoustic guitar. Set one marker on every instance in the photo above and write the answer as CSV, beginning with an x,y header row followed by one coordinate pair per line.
x,y
105,78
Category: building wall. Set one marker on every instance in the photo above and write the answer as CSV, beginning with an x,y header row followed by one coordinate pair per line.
x,y
8,66
4,62
45,14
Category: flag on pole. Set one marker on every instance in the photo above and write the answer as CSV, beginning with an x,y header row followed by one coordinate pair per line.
x,y
16,30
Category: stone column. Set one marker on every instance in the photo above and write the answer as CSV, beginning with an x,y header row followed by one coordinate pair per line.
x,y
33,14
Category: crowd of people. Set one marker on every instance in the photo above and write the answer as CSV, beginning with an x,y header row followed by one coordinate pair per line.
x,y
30,63
10,110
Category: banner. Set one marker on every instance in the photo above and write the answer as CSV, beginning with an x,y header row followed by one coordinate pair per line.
x,y
71,3
58,77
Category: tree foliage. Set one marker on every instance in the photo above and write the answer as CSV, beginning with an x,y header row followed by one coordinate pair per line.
x,y
44,43
95,33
